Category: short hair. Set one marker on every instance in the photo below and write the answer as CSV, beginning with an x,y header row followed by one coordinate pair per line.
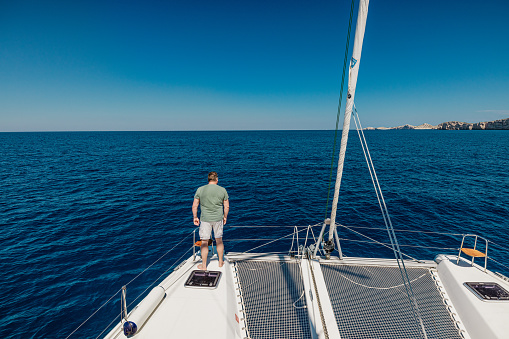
x,y
212,176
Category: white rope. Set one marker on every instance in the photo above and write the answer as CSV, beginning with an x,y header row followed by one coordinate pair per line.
x,y
310,228
379,288
298,300
303,290
295,233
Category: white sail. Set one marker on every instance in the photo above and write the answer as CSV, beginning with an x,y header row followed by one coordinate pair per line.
x,y
352,83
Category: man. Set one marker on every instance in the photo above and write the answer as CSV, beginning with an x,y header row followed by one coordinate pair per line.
x,y
214,206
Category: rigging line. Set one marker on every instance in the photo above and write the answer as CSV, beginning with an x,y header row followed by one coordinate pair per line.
x,y
315,240
390,230
126,285
345,61
494,243
184,238
234,259
276,226
378,191
307,234
171,266
372,173
253,239
378,242
286,236
140,293
388,223
399,230
310,228
413,246
293,239
108,326
371,170
83,323
498,262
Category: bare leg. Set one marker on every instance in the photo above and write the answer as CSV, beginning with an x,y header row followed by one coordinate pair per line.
x,y
204,254
220,250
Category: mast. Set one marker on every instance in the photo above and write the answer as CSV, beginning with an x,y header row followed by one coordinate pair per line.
x,y
352,83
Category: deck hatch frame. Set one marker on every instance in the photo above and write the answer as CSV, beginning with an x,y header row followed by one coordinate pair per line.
x,y
203,279
488,291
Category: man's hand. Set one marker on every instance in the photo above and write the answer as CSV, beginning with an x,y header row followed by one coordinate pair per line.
x,y
196,203
226,206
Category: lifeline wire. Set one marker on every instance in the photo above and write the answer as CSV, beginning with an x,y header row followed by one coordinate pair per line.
x,y
83,323
184,238
388,224
171,266
126,285
286,236
414,246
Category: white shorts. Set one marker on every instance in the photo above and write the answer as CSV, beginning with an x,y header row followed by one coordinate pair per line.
x,y
206,229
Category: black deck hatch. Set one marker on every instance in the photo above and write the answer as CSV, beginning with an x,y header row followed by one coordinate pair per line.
x,y
488,290
207,279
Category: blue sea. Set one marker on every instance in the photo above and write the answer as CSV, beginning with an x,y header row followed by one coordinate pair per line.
x,y
84,213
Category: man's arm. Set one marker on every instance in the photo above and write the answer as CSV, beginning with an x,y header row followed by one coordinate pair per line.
x,y
196,202
226,206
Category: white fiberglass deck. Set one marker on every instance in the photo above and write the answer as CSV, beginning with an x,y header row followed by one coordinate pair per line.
x,y
263,296
189,312
482,318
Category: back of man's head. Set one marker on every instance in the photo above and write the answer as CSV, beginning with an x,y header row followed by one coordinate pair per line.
x,y
212,176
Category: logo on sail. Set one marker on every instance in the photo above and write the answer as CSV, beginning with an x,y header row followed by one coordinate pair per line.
x,y
353,62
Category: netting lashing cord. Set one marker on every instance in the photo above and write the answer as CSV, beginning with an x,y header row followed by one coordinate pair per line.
x,y
388,224
345,62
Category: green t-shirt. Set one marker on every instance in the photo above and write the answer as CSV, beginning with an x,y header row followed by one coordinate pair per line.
x,y
211,202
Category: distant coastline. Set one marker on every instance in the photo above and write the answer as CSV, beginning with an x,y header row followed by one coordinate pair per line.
x,y
502,124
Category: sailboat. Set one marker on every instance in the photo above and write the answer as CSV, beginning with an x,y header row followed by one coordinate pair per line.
x,y
317,292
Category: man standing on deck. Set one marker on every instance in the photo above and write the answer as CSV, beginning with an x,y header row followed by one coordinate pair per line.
x,y
213,200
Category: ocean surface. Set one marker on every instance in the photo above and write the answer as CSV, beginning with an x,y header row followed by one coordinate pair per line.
x,y
84,213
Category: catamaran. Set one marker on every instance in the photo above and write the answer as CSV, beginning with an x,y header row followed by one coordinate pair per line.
x,y
317,292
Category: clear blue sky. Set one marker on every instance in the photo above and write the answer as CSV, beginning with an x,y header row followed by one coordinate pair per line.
x,y
234,65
